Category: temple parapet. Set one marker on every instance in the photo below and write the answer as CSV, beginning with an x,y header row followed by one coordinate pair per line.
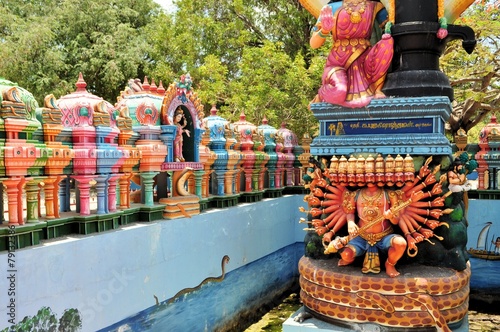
x,y
82,165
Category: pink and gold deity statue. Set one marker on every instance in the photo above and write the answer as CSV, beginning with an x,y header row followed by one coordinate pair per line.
x,y
355,70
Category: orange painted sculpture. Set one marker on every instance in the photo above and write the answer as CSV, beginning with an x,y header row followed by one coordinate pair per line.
x,y
387,209
377,210
374,228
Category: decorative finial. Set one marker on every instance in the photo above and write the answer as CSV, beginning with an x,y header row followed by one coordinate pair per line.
x,y
81,84
145,85
213,110
161,89
153,87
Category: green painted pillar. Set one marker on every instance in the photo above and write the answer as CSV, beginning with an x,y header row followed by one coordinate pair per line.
x,y
147,181
198,176
32,190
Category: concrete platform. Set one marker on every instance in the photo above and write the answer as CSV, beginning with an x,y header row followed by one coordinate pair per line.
x,y
316,325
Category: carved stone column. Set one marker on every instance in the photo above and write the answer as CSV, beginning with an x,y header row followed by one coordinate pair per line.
x,y
32,194
83,188
112,182
102,197
147,179
14,200
124,183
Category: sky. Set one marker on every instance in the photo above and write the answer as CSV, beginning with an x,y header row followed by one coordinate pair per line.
x,y
167,4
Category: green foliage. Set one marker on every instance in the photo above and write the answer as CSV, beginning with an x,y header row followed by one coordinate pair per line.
x,y
249,56
46,321
70,321
44,50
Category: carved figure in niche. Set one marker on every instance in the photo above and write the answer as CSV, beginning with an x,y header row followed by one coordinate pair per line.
x,y
181,122
457,175
184,87
355,71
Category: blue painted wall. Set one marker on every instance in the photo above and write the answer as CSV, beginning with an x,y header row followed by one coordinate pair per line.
x,y
216,305
114,275
484,272
480,212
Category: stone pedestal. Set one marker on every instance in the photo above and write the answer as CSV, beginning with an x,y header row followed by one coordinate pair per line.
x,y
422,298
385,126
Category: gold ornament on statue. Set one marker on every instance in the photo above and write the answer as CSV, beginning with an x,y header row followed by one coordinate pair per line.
x,y
355,9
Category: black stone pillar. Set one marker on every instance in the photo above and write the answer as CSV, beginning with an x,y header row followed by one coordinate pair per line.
x,y
415,66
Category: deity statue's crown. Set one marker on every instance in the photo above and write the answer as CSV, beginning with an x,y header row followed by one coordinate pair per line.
x,y
359,171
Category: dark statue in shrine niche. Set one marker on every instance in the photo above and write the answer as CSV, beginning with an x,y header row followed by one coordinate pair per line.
x,y
181,122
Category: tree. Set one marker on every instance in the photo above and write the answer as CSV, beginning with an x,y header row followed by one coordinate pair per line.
x,y
250,56
46,321
475,77
44,50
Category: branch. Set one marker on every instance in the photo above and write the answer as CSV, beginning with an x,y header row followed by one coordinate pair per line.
x,y
467,115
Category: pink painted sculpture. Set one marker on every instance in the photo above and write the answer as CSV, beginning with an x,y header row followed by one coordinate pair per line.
x,y
488,153
355,71
246,130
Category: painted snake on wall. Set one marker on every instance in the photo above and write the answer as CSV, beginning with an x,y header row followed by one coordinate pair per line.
x,y
224,261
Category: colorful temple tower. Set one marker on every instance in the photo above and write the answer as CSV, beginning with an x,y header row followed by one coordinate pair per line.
x,y
181,122
234,162
289,143
143,101
59,166
97,157
488,157
247,133
22,158
216,127
269,134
